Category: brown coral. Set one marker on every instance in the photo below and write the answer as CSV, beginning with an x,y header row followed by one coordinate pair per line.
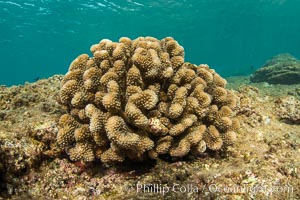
x,y
138,98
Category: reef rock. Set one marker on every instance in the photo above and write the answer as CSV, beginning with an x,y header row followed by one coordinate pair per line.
x,y
288,109
281,69
139,99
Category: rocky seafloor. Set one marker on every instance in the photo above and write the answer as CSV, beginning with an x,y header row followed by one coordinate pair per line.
x,y
262,164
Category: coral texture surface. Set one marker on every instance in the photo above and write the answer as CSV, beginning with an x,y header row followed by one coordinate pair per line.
x,y
139,99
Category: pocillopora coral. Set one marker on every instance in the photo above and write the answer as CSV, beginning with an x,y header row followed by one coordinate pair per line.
x,y
139,99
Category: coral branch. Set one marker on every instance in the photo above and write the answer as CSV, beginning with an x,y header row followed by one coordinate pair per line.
x,y
139,99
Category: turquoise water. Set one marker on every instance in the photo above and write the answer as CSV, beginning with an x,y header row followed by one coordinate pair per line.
x,y
39,38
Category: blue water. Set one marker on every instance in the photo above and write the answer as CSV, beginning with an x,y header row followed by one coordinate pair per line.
x,y
39,38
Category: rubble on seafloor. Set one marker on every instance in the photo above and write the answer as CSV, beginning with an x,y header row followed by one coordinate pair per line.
x,y
262,163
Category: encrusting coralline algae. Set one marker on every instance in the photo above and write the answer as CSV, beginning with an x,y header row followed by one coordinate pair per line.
x,y
139,99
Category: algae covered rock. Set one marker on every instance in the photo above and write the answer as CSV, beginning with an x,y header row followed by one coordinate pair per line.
x,y
281,69
288,109
139,99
